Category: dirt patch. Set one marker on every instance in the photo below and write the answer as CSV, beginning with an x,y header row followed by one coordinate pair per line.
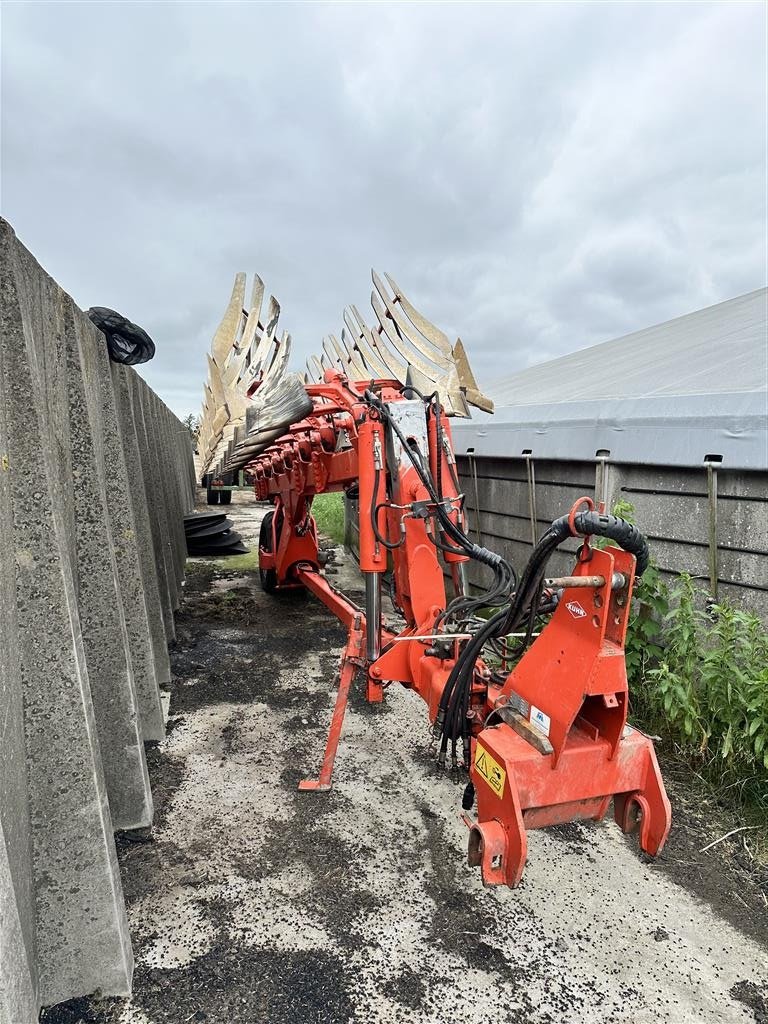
x,y
574,835
142,856
82,1011
462,922
282,987
754,996
408,989
233,605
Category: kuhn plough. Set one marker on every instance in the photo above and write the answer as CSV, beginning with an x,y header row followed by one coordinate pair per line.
x,y
539,722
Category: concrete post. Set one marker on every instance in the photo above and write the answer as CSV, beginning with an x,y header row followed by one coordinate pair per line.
x,y
712,464
530,475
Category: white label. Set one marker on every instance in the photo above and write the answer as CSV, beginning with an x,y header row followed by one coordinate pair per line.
x,y
540,720
575,609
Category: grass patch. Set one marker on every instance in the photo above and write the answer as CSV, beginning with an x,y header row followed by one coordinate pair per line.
x,y
328,510
249,562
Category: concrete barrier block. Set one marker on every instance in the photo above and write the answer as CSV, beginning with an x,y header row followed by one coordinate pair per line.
x,y
166,451
81,929
18,943
179,507
130,606
95,571
151,474
165,511
19,1001
151,583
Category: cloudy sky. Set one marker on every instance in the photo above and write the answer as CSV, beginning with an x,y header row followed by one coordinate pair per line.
x,y
537,177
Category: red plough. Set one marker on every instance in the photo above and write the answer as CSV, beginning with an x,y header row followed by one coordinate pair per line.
x,y
544,743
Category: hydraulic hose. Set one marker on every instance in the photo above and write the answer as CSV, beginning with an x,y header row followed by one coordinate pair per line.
x,y
503,572
452,719
600,524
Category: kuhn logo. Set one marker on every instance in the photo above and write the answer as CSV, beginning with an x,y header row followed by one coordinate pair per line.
x,y
576,610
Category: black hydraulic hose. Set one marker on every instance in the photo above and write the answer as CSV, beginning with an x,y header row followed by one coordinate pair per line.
x,y
627,536
586,524
457,535
468,657
458,688
426,399
446,549
481,554
439,436
375,515
454,701
439,453
505,575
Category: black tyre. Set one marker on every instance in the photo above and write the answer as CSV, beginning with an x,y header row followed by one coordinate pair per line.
x,y
225,497
267,577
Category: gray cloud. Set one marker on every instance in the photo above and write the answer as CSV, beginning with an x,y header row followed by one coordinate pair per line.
x,y
538,178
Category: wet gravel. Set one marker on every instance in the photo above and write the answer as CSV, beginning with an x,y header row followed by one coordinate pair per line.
x,y
252,902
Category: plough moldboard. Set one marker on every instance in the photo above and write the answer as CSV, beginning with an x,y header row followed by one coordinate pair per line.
x,y
535,717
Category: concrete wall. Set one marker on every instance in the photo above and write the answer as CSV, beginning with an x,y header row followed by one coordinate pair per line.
x,y
95,476
671,508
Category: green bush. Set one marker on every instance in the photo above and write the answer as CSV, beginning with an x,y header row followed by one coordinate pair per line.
x,y
328,510
698,672
643,648
712,683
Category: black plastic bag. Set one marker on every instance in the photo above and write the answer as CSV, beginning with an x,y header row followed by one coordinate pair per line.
x,y
126,342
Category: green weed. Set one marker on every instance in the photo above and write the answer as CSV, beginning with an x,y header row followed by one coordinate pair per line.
x,y
698,673
328,510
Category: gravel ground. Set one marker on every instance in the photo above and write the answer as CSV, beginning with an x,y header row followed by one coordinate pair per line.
x,y
252,902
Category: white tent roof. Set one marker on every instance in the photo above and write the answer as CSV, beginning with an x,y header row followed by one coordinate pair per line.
x,y
671,394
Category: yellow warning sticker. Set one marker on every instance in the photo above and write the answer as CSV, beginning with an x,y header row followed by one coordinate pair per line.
x,y
490,769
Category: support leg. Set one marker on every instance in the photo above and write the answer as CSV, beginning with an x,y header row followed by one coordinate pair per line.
x,y
348,668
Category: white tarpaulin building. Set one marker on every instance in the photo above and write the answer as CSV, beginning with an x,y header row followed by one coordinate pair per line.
x,y
669,395
672,418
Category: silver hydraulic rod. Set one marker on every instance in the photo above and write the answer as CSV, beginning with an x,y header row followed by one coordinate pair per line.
x,y
372,615
618,581
459,577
